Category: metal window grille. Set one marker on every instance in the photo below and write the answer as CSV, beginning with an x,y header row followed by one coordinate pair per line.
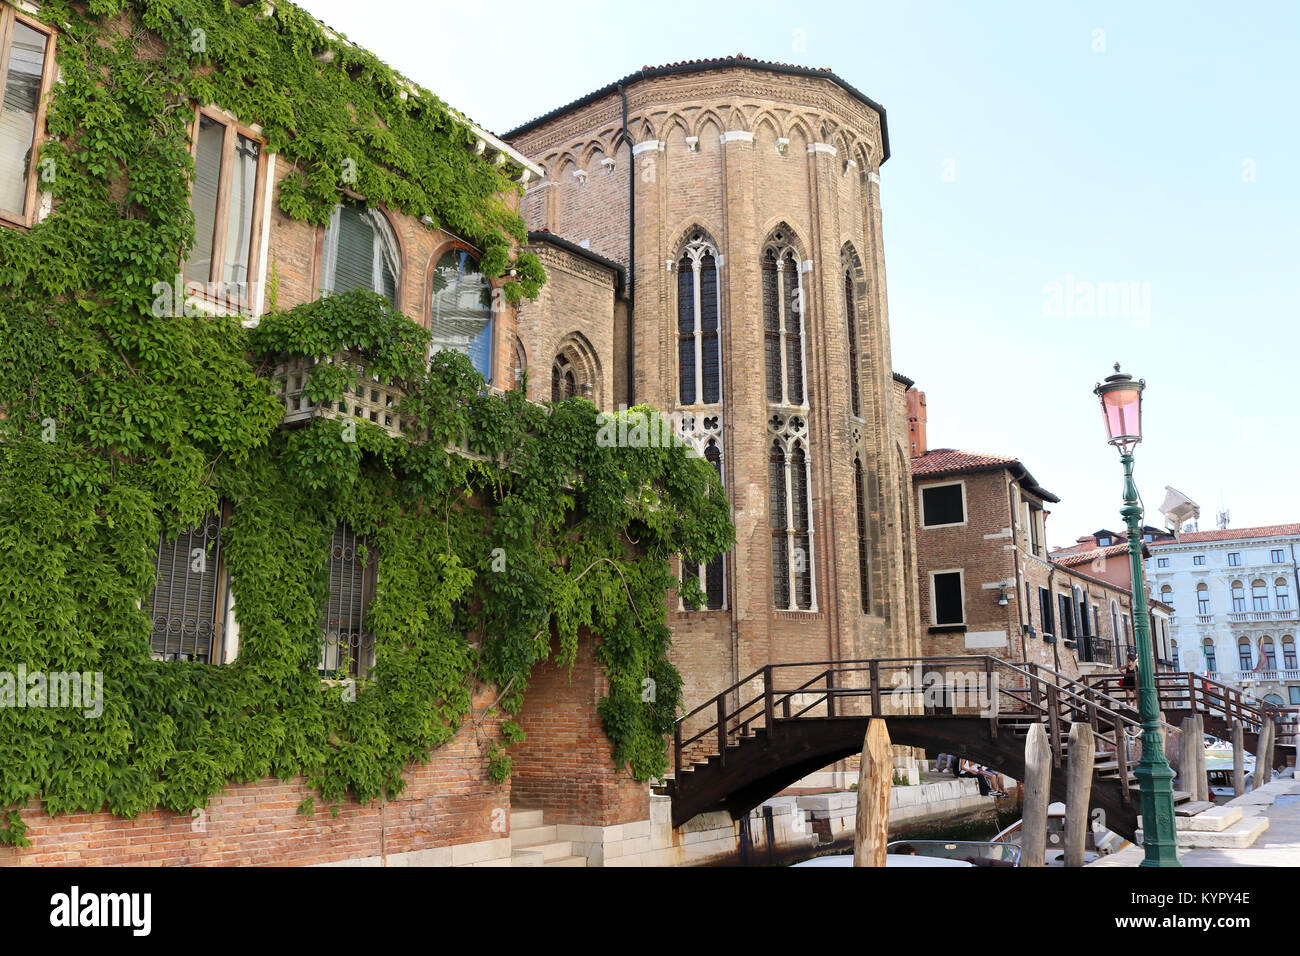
x,y
348,648
185,603
780,542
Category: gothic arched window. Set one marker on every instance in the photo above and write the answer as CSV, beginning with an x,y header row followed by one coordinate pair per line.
x,y
783,310
563,383
698,354
790,509
713,576
860,498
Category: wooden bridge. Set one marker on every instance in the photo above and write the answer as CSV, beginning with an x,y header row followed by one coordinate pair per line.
x,y
785,721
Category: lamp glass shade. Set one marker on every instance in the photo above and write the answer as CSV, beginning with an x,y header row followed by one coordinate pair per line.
x,y
1123,410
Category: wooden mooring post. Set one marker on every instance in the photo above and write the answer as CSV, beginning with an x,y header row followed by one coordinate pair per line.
x,y
1264,755
1078,792
875,775
1038,786
1202,775
1191,759
1238,758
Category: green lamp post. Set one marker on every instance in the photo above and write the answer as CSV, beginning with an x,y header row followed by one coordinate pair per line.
x,y
1121,403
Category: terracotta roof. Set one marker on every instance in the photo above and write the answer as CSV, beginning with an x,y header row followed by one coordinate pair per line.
x,y
1068,557
942,461
1233,534
952,461
700,66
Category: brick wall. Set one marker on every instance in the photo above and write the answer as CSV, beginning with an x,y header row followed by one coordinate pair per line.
x,y
738,192
564,767
447,802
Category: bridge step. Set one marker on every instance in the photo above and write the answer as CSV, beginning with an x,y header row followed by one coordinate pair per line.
x,y
1192,808
1180,796
1238,836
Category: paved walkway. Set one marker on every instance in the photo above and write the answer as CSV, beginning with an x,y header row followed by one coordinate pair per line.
x,y
1279,845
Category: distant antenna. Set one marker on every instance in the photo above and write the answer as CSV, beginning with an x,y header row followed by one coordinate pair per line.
x,y
1222,520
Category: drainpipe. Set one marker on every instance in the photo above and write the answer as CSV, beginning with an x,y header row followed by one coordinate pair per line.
x,y
1021,611
631,247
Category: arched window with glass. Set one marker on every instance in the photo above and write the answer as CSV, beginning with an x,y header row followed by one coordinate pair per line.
x,y
783,321
1283,593
699,357
1207,651
361,252
1202,599
712,577
1288,653
1244,656
1238,598
851,268
1258,596
1268,655
563,383
460,309
864,543
1166,594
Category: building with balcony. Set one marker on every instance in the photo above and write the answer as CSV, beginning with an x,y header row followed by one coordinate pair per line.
x,y
1234,597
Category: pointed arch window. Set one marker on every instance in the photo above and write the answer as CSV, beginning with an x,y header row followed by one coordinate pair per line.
x,y
850,310
563,383
790,510
860,499
712,577
698,317
360,252
783,312
460,312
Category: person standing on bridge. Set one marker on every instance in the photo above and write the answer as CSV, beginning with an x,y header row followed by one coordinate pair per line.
x,y
1128,683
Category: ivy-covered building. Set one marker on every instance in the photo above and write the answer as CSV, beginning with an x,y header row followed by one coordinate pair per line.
x,y
310,550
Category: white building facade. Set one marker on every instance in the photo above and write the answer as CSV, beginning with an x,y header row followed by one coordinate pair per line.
x,y
1234,594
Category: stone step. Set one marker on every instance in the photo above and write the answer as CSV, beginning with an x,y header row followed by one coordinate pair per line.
x,y
557,850
1192,808
568,861
523,819
1215,819
527,858
1238,836
532,836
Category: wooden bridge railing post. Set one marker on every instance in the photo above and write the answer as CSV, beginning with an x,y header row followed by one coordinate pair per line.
x,y
1033,685
1121,756
769,704
875,690
722,729
991,692
1238,758
1054,724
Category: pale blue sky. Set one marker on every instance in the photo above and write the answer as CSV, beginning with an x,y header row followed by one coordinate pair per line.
x,y
1022,157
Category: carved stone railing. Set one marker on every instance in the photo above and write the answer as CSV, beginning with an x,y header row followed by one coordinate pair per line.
x,y
367,398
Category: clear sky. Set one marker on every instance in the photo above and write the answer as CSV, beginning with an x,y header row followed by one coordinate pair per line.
x,y
1053,164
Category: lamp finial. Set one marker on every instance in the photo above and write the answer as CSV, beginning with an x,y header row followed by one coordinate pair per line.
x,y
1117,366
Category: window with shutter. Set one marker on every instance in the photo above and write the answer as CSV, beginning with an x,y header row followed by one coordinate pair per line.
x,y
360,252
26,71
186,602
226,200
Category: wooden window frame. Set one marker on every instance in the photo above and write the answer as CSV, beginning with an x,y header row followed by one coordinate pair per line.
x,y
920,504
216,268
26,217
934,600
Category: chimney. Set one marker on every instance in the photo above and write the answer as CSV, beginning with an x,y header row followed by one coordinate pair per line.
x,y
916,422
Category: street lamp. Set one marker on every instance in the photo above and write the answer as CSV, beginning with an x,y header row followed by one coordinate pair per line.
x,y
1121,403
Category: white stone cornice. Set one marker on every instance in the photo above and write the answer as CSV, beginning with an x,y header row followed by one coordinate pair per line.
x,y
692,143
736,136
821,148
873,177
645,146
806,265
782,145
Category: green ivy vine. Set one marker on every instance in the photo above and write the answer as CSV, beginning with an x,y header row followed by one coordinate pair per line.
x,y
117,424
